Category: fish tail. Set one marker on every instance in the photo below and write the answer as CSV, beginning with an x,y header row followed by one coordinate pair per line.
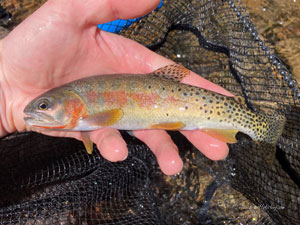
x,y
268,136
272,130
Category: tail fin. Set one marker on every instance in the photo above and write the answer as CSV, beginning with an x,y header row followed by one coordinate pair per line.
x,y
268,136
274,128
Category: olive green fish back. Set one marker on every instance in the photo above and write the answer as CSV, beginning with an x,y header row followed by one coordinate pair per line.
x,y
50,180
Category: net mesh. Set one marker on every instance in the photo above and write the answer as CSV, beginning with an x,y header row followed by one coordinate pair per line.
x,y
46,180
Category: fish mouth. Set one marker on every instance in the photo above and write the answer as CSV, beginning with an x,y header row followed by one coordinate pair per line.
x,y
39,119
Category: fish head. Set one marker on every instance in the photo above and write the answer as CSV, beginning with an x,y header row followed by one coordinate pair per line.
x,y
56,109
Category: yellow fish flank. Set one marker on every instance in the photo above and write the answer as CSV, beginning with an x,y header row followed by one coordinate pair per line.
x,y
150,101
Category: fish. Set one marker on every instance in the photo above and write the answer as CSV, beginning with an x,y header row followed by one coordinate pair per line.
x,y
157,100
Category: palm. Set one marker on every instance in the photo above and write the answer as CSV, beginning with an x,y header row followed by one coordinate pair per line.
x,y
55,46
58,53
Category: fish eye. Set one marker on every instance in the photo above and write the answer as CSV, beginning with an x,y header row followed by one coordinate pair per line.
x,y
43,105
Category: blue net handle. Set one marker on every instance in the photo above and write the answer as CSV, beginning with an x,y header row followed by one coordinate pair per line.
x,y
117,25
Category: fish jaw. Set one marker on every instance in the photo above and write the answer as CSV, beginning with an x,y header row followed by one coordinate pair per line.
x,y
42,120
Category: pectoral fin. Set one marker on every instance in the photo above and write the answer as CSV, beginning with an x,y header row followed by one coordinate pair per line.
x,y
175,72
227,136
105,118
168,126
88,144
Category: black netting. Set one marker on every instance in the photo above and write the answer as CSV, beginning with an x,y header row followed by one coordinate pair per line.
x,y
53,181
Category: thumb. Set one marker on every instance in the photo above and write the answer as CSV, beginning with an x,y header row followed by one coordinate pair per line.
x,y
92,12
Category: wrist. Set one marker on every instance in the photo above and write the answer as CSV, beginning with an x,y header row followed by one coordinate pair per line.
x,y
5,126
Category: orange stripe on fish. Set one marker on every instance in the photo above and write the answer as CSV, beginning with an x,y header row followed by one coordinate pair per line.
x,y
144,99
172,99
115,98
91,96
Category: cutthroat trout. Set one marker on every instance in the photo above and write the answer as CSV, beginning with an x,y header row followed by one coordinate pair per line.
x,y
151,101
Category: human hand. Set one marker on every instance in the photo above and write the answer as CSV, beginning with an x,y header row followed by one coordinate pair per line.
x,y
59,43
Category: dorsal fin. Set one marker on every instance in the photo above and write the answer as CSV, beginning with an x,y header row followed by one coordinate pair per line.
x,y
240,99
175,72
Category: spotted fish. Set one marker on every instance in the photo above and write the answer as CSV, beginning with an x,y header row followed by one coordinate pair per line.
x,y
150,101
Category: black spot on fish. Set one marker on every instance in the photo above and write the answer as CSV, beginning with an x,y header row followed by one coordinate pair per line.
x,y
179,89
213,94
191,94
203,97
217,102
164,89
210,111
172,91
167,114
234,120
205,111
229,116
185,94
208,118
218,113
186,107
196,99
225,103
210,101
149,87
200,108
197,93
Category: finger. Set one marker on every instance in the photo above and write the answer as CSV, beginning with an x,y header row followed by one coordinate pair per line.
x,y
209,146
110,144
163,148
93,12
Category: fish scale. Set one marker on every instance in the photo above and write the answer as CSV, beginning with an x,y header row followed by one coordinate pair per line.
x,y
151,101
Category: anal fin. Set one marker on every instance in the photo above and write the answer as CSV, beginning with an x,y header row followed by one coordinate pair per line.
x,y
168,126
225,135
